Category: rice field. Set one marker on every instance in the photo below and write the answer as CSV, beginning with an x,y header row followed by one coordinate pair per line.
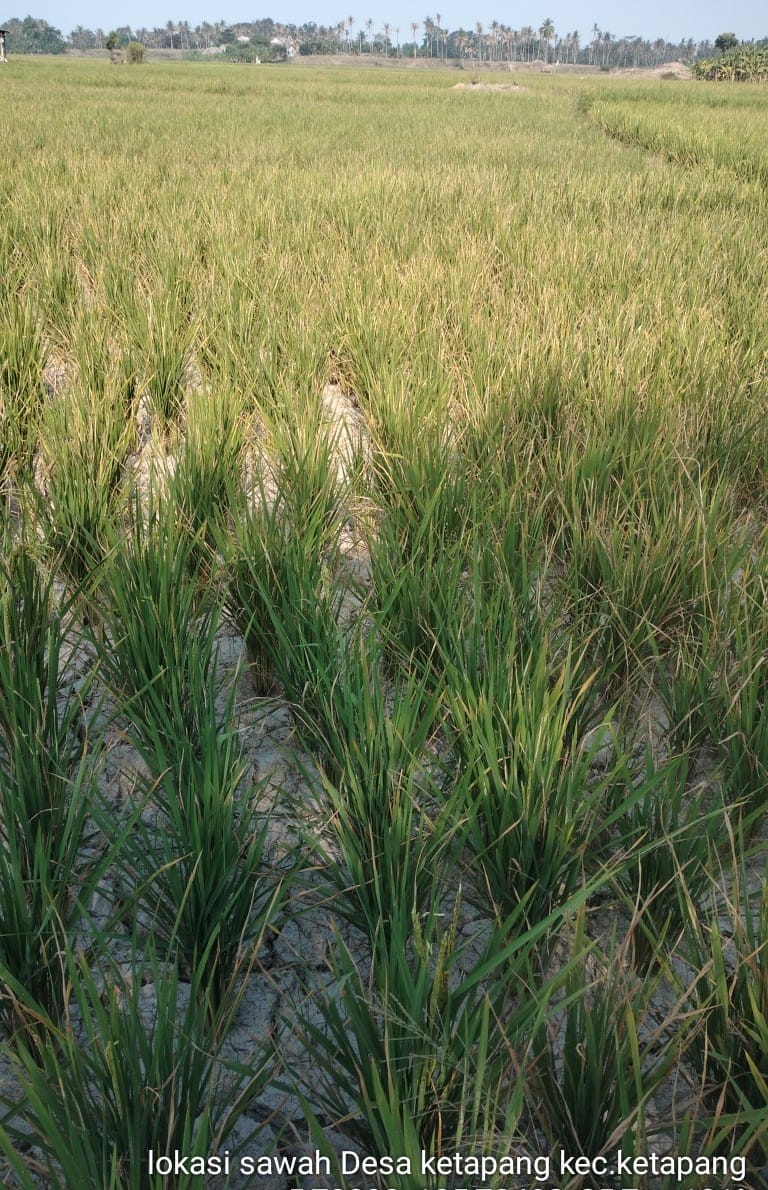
x,y
383,630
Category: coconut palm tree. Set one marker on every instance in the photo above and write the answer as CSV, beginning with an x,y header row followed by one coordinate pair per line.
x,y
414,31
546,33
369,27
462,39
386,28
429,33
440,35
596,35
493,47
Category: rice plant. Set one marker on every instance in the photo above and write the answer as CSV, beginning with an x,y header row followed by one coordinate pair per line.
x,y
420,589
644,559
156,640
600,1059
420,1060
283,583
162,333
85,442
674,834
207,467
727,946
46,780
534,810
391,828
306,470
193,868
684,679
740,697
131,1073
21,384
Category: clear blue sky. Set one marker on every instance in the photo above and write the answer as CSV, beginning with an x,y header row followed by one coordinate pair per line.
x,y
671,19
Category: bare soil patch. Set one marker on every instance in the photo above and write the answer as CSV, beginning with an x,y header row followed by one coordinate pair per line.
x,y
489,87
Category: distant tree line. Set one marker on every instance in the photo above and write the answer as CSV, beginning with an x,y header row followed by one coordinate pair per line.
x,y
495,43
33,36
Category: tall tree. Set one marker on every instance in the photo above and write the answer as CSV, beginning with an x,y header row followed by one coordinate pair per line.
x,y
33,35
479,39
429,33
726,41
596,35
546,33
